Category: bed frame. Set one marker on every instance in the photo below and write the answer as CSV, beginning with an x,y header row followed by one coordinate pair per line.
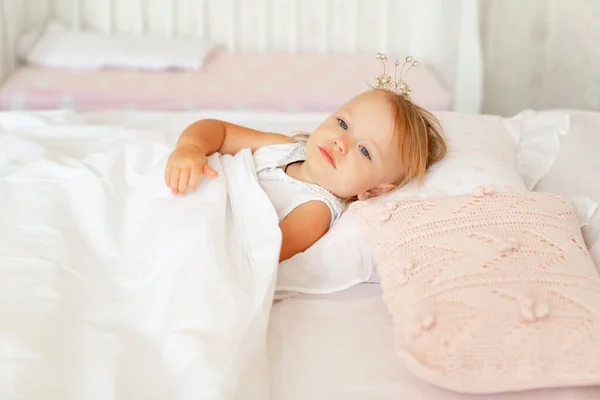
x,y
440,33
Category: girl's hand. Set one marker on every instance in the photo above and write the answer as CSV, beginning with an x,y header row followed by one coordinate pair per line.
x,y
185,166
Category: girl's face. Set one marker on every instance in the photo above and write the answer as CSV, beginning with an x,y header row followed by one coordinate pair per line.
x,y
355,152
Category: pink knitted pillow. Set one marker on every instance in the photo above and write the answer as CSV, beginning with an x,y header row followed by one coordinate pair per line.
x,y
490,292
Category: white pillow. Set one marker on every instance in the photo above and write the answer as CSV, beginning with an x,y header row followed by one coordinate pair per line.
x,y
595,254
59,47
509,153
573,174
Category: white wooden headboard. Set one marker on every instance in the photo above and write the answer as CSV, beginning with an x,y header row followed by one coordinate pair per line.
x,y
443,34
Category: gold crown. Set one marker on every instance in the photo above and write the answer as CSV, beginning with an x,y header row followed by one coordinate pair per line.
x,y
395,84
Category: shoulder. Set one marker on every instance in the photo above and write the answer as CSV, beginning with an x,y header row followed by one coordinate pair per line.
x,y
279,140
294,139
303,226
278,143
314,211
239,137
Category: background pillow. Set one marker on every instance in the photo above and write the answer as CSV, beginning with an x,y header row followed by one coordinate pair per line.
x,y
488,293
482,150
59,47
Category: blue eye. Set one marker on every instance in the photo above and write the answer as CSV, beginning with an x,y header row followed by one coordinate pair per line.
x,y
364,152
342,124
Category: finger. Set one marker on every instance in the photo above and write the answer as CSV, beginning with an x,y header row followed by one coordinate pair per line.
x,y
168,174
184,179
209,172
175,180
195,177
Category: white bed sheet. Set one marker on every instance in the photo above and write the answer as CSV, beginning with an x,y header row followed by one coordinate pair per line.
x,y
111,288
340,346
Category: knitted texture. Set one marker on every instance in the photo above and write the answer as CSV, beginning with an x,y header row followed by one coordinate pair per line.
x,y
492,292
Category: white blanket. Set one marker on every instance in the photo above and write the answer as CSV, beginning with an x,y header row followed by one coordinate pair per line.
x,y
110,288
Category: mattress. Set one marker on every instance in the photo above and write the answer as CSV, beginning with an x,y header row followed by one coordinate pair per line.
x,y
244,81
112,289
340,347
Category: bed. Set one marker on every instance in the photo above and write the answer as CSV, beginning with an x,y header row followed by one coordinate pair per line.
x,y
301,56
126,332
319,345
284,82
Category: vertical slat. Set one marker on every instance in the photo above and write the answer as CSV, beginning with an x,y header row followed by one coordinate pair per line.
x,y
355,18
172,18
141,20
110,16
234,25
295,24
468,84
326,26
202,20
75,15
262,39
385,23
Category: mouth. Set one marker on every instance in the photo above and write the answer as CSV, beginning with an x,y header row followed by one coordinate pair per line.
x,y
328,156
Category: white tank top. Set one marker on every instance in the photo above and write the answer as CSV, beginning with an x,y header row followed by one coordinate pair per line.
x,y
285,192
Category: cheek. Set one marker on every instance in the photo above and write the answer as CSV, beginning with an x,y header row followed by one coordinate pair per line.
x,y
321,131
357,176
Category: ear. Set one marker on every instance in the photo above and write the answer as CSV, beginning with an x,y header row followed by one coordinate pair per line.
x,y
376,191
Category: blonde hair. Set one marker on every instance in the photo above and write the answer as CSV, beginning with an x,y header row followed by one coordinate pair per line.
x,y
420,137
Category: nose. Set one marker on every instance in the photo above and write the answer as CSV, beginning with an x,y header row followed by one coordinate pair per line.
x,y
340,145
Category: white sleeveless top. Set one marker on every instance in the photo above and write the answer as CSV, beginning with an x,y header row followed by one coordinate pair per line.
x,y
285,192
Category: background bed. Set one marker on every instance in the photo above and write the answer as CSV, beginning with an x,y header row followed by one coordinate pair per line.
x,y
290,55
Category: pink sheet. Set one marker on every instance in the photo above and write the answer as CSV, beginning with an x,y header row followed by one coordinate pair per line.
x,y
243,81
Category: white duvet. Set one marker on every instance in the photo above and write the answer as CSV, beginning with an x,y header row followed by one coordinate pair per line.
x,y
110,288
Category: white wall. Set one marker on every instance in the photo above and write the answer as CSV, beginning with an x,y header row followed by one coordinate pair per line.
x,y
541,54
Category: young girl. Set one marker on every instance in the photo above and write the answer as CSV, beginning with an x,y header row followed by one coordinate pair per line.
x,y
374,143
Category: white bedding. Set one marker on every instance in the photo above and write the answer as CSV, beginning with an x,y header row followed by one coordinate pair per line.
x,y
142,328
110,288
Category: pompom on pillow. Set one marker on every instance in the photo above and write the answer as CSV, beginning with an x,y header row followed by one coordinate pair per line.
x,y
490,292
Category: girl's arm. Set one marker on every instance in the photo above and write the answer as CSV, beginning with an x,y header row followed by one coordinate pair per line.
x,y
302,227
214,136
188,161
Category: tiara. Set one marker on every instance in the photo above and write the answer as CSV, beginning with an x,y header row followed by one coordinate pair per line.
x,y
397,85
